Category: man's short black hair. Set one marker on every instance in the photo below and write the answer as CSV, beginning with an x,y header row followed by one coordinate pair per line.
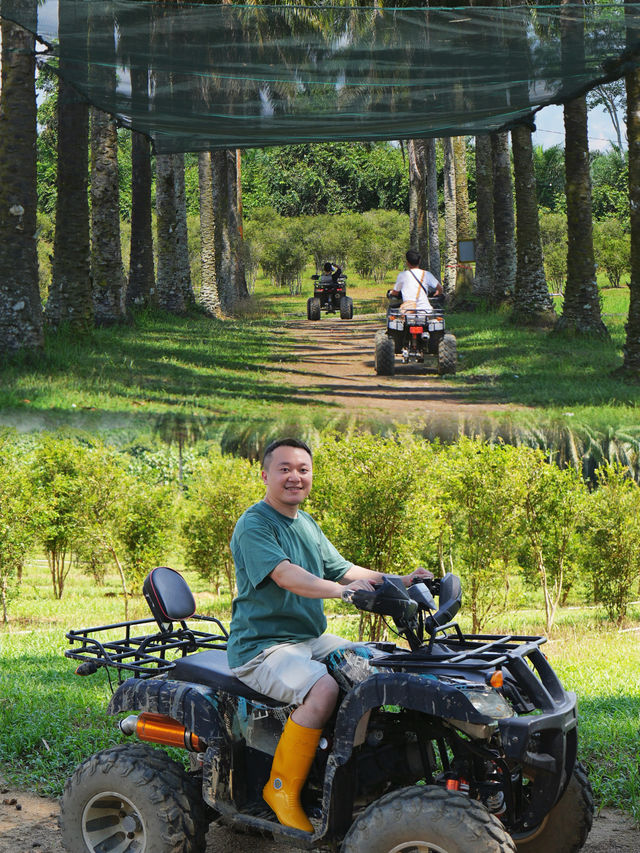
x,y
284,442
328,267
413,257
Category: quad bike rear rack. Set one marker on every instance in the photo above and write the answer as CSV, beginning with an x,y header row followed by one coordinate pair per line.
x,y
145,655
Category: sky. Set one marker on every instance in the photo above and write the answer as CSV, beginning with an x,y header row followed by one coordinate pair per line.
x,y
550,129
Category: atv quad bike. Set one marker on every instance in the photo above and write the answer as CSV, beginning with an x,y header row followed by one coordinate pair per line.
x,y
459,743
330,297
415,335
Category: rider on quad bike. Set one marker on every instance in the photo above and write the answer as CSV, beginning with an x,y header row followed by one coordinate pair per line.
x,y
457,744
329,294
415,323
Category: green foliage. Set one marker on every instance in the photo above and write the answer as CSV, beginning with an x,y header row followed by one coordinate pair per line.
x,y
550,503
381,240
18,514
612,248
323,178
548,164
473,501
610,533
221,489
553,235
610,185
58,476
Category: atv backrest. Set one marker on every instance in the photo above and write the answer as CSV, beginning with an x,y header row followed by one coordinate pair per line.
x,y
168,596
449,599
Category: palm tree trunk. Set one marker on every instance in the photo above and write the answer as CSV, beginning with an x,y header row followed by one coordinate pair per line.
x,y
418,236
484,283
462,190
20,305
70,299
450,226
141,286
182,234
106,255
432,207
581,306
503,218
532,303
631,361
230,278
168,286
209,298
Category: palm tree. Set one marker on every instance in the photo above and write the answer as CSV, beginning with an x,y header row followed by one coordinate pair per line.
x,y
417,198
230,278
532,302
70,299
581,307
183,268
503,218
20,305
141,285
432,207
209,298
170,293
450,226
484,282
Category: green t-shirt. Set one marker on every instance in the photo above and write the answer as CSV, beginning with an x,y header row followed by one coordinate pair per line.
x,y
263,614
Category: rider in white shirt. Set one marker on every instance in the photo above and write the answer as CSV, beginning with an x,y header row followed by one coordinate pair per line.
x,y
416,284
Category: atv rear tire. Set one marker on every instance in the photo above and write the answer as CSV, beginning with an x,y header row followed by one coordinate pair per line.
x,y
385,355
447,355
427,819
133,794
567,825
346,308
314,309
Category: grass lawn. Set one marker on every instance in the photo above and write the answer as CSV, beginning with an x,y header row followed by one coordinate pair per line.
x,y
120,380
51,719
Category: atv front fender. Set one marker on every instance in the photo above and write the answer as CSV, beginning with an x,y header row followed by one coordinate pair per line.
x,y
412,692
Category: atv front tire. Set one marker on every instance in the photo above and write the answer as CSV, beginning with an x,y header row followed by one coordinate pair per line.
x,y
132,797
385,355
427,819
565,828
447,355
346,308
313,308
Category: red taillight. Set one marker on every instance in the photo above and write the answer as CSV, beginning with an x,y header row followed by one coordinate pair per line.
x,y
416,330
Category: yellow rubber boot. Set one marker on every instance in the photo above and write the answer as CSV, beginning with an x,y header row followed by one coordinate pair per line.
x,y
291,764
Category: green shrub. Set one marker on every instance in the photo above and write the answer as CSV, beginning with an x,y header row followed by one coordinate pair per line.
x,y
611,538
222,488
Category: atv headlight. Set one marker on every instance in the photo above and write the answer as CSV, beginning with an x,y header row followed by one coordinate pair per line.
x,y
488,702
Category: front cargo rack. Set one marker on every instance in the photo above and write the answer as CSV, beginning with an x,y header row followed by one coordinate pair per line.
x,y
144,655
465,650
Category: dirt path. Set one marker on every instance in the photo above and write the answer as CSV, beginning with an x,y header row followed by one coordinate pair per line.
x,y
29,823
335,364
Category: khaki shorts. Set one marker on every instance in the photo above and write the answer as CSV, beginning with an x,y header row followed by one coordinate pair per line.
x,y
288,671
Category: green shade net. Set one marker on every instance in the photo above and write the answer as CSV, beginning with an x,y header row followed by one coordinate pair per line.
x,y
199,76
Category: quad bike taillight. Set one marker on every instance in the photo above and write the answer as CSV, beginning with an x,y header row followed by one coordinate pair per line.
x,y
156,728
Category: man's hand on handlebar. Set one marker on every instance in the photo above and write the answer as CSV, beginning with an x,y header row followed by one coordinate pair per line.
x,y
349,589
420,574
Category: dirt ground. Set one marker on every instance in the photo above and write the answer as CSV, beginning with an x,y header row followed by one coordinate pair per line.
x,y
29,823
335,364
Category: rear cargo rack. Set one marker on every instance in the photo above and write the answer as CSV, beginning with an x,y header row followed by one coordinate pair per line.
x,y
142,655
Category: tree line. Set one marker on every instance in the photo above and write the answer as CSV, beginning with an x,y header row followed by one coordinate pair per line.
x,y
488,512
88,282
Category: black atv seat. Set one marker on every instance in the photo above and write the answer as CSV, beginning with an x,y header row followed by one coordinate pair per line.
x,y
212,669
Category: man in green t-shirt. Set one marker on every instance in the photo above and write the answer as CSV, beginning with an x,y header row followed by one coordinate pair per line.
x,y
285,567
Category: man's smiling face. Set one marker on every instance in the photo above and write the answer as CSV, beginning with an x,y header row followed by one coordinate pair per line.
x,y
288,477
